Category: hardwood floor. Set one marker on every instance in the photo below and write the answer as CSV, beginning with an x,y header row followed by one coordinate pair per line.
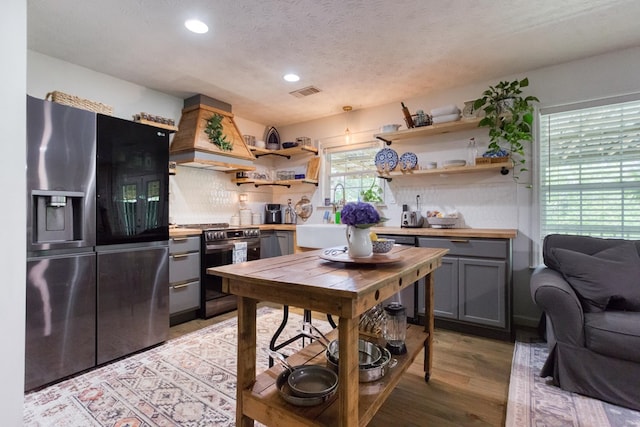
x,y
469,385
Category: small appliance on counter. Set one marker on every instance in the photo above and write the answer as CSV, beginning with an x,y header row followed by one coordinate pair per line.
x,y
411,219
395,328
272,214
290,216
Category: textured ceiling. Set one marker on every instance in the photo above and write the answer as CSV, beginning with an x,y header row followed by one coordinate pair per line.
x,y
357,52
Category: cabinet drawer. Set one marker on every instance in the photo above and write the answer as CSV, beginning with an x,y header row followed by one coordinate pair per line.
x,y
184,244
485,248
183,267
184,297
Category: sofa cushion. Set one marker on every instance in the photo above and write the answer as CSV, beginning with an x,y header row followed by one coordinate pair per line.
x,y
614,333
607,279
585,244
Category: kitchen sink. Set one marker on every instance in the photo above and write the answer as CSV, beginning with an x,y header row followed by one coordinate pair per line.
x,y
321,235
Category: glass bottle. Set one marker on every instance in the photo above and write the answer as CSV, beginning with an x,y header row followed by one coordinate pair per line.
x,y
472,152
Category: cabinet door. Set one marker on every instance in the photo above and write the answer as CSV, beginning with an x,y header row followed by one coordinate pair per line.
x,y
285,242
268,244
445,290
133,301
482,291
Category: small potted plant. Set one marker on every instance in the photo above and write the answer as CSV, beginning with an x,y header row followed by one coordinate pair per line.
x,y
509,117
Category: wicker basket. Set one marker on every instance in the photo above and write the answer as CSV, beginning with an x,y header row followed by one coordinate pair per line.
x,y
77,102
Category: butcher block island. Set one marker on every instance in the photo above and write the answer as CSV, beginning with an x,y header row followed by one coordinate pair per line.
x,y
343,289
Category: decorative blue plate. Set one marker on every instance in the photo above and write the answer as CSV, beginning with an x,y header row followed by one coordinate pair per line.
x,y
386,159
408,161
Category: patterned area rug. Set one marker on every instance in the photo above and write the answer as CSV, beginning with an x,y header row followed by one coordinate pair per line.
x,y
533,402
187,381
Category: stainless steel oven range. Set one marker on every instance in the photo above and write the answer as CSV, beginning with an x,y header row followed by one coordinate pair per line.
x,y
218,245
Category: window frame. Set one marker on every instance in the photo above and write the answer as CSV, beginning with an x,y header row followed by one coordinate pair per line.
x,y
340,148
538,217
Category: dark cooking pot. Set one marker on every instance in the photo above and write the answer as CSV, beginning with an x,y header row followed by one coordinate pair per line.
x,y
308,380
286,393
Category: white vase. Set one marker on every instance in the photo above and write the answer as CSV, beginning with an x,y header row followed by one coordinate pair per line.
x,y
359,242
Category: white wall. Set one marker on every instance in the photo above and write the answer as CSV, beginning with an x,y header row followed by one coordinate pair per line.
x,y
13,39
46,74
485,200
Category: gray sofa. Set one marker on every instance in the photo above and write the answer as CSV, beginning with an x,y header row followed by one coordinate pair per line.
x,y
589,290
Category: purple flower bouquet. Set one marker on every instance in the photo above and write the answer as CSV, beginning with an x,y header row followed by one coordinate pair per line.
x,y
360,215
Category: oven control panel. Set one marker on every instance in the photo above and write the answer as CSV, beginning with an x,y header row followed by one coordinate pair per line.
x,y
231,234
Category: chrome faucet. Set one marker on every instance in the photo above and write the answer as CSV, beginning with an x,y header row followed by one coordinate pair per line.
x,y
337,203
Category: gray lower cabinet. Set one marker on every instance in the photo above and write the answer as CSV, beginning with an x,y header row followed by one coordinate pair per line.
x,y
472,291
275,243
184,274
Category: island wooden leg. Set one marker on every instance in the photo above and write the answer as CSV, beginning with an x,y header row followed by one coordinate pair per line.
x,y
349,386
246,355
428,325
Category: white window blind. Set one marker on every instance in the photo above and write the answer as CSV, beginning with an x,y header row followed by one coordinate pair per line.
x,y
353,167
590,171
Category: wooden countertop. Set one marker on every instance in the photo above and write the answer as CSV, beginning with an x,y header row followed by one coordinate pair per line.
x,y
184,232
307,280
187,232
489,233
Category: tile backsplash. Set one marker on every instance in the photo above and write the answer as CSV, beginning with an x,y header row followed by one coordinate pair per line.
x,y
203,196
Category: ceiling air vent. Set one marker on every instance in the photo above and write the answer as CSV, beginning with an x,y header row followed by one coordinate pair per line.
x,y
305,91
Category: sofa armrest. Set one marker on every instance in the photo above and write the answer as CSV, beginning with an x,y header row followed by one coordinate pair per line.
x,y
560,303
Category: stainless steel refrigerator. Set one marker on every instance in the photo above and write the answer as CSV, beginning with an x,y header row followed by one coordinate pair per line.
x,y
132,237
97,240
60,337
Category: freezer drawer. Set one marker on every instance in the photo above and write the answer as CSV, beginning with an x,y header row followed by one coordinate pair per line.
x,y
133,300
184,296
60,335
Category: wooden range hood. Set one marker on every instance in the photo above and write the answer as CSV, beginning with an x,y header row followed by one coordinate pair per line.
x,y
191,145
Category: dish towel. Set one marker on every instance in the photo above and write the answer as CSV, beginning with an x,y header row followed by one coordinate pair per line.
x,y
239,252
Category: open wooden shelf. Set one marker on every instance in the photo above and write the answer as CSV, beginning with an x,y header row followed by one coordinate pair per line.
x,y
263,402
285,152
424,131
503,168
170,128
283,183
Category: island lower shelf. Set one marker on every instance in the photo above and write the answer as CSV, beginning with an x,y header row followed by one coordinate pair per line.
x,y
263,402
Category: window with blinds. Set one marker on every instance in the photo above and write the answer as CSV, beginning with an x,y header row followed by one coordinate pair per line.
x,y
589,171
353,167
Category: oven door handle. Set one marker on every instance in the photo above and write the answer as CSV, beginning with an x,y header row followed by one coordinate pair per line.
x,y
209,248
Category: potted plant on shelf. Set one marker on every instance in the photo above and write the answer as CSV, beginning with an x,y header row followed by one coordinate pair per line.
x,y
509,117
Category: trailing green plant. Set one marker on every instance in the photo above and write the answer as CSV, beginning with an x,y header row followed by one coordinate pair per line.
x,y
372,194
509,117
215,134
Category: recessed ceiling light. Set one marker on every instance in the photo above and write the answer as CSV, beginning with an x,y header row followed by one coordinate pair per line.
x,y
196,26
291,77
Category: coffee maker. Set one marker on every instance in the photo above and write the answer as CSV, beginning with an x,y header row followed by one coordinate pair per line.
x,y
273,214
